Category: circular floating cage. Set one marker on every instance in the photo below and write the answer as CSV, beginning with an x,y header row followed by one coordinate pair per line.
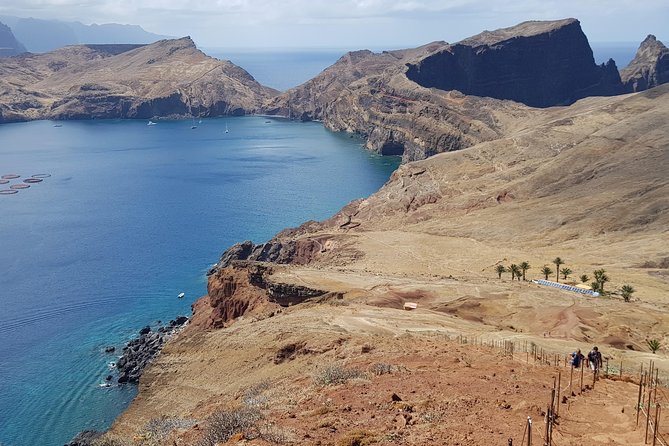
x,y
10,176
19,186
4,181
41,175
32,180
8,192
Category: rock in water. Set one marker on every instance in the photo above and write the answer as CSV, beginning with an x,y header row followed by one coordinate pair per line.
x,y
139,352
85,438
649,68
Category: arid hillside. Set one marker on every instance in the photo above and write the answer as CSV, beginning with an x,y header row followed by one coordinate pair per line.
x,y
169,78
282,320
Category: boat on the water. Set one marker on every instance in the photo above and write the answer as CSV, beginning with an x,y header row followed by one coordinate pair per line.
x,y
151,123
181,295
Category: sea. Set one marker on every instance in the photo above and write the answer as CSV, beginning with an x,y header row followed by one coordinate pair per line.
x,y
126,217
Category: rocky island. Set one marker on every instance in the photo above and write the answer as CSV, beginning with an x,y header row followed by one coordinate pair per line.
x,y
392,322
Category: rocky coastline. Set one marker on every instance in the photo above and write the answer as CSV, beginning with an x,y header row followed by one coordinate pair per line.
x,y
137,354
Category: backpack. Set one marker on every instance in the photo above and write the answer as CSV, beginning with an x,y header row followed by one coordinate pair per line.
x,y
576,359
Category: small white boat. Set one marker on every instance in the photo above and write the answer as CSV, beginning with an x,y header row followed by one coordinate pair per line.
x,y
151,123
181,295
104,385
226,129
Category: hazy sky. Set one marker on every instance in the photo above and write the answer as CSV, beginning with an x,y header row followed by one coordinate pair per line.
x,y
350,23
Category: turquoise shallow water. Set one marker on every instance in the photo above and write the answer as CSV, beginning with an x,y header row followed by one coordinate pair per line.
x,y
131,216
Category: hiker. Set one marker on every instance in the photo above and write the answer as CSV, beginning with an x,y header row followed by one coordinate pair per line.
x,y
595,359
576,358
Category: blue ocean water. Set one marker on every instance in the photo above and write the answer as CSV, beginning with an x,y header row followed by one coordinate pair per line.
x,y
621,52
131,216
280,69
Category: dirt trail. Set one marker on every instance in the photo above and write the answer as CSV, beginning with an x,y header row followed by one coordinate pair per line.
x,y
603,415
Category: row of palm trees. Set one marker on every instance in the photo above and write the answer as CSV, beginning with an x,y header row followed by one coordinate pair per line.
x,y
600,276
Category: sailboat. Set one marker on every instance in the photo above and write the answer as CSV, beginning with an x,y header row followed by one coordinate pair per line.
x,y
193,126
226,128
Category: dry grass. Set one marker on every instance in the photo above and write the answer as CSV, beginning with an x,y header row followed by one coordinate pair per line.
x,y
335,374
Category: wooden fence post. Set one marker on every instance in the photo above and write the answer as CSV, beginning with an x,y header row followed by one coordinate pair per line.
x,y
650,394
571,378
559,391
638,401
657,421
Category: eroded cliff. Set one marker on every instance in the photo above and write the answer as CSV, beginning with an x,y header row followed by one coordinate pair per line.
x,y
649,68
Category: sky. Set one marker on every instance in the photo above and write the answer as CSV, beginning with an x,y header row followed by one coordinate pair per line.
x,y
350,24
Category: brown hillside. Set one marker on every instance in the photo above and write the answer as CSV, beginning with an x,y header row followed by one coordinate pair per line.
x,y
166,78
587,183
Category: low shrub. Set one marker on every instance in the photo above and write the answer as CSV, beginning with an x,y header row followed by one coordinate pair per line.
x,y
334,374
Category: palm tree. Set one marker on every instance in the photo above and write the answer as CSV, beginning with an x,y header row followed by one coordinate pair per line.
x,y
501,269
558,261
627,292
585,278
565,273
524,267
600,278
546,271
654,345
515,271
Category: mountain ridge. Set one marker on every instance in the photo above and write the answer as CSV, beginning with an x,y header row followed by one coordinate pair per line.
x,y
163,79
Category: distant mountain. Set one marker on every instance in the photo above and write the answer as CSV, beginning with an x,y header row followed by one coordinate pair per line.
x,y
40,36
169,78
9,46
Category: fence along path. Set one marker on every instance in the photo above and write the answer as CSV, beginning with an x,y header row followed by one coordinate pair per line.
x,y
583,407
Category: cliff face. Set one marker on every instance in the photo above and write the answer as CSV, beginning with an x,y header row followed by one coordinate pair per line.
x,y
540,64
245,288
169,78
649,68
9,46
369,94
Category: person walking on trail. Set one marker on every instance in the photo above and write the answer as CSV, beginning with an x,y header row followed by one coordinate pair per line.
x,y
577,358
595,359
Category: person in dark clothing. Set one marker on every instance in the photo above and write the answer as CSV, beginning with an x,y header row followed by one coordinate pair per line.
x,y
595,359
577,358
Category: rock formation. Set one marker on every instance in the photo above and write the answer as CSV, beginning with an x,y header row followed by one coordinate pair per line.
x,y
139,352
9,46
649,68
169,78
540,64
